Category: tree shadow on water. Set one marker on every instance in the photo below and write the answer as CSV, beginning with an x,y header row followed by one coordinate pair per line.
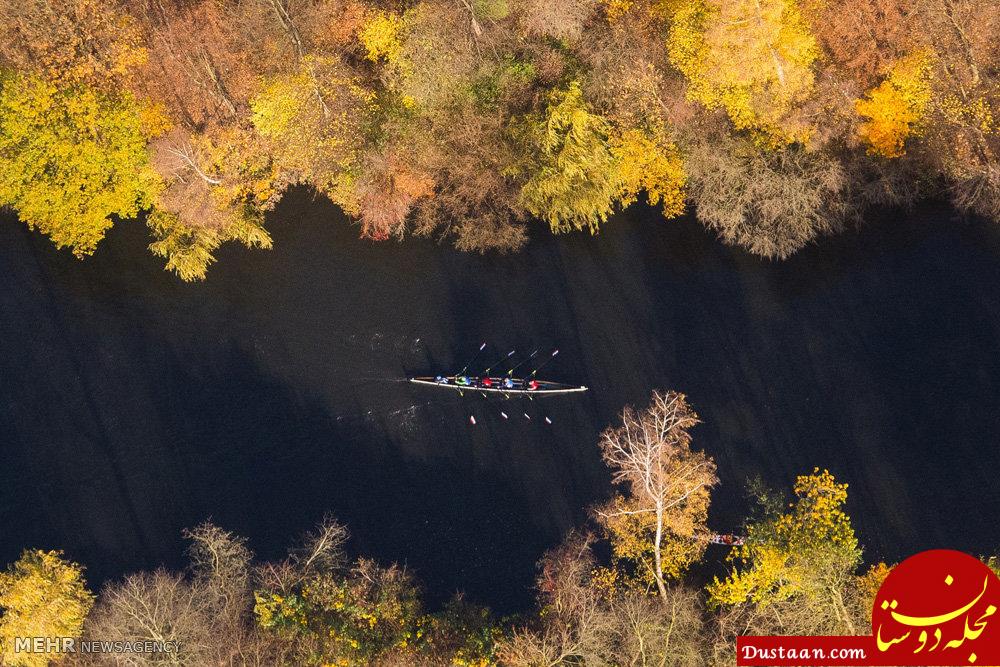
x,y
268,463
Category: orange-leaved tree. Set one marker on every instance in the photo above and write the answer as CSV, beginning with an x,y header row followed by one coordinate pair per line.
x,y
895,109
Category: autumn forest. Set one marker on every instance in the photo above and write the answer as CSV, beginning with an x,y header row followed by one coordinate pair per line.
x,y
776,122
630,587
773,123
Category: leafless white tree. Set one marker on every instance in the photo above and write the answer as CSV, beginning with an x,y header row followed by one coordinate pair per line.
x,y
220,565
155,606
650,454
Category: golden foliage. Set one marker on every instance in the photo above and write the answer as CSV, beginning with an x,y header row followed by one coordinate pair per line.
x,y
614,10
895,109
73,158
653,165
573,178
41,595
975,111
280,103
381,35
347,618
632,535
752,58
248,173
465,119
656,526
796,552
188,248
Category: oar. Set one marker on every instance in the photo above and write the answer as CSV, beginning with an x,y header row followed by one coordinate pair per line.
x,y
521,363
509,355
544,363
476,356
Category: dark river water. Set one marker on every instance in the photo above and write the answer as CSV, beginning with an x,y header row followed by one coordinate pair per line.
x,y
132,405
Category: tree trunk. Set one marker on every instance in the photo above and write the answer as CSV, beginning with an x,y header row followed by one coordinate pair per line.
x,y
657,559
779,70
970,61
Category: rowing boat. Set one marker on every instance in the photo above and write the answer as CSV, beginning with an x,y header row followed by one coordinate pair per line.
x,y
498,385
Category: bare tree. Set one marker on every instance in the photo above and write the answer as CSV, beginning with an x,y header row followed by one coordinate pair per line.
x,y
668,483
321,548
647,632
206,613
582,622
220,564
157,606
575,623
319,552
771,202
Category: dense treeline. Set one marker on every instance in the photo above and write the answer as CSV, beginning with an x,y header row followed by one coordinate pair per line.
x,y
779,120
616,592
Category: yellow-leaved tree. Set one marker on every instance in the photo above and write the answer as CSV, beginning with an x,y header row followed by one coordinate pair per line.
x,y
334,613
73,158
573,178
650,162
381,35
896,108
217,187
752,58
314,123
41,595
809,552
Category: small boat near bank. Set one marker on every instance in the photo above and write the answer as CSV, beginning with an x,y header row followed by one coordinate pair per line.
x,y
498,385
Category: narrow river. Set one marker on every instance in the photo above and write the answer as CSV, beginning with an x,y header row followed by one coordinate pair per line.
x,y
132,405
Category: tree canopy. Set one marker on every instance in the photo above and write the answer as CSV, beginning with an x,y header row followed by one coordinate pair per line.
x,y
469,121
660,522
614,591
73,158
572,178
754,58
41,595
797,552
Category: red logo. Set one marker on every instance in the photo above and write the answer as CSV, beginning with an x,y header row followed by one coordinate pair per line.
x,y
938,607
